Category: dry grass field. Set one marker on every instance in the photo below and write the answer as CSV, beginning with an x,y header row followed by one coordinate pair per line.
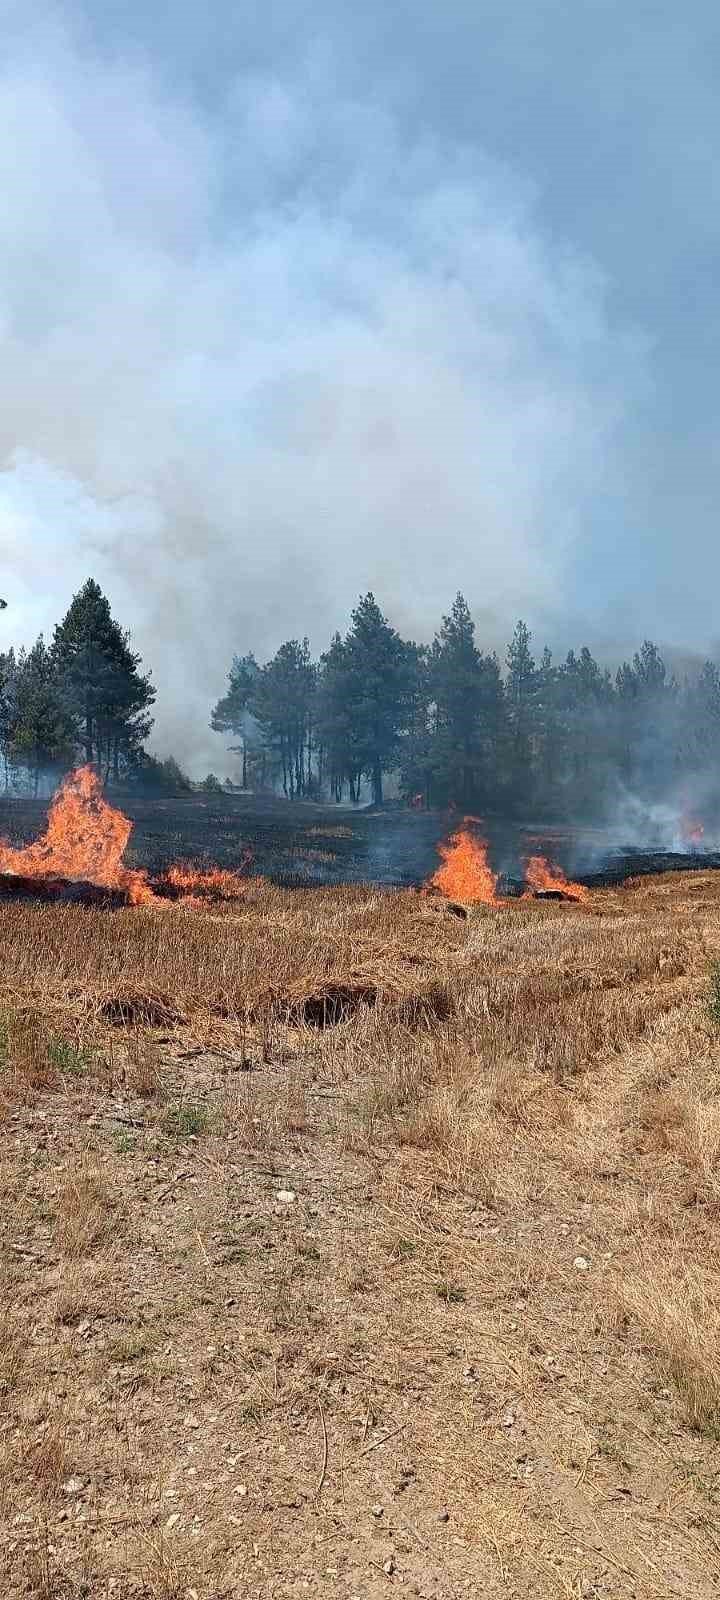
x,y
351,1247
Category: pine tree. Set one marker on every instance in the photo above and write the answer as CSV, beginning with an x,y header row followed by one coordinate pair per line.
x,y
648,705
283,702
380,673
341,757
467,698
232,714
698,742
42,733
9,674
521,699
107,697
417,747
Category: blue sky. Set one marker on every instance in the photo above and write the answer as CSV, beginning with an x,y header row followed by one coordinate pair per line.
x,y
297,301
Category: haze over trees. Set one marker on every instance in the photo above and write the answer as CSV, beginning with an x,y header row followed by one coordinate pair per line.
x,y
448,722
455,727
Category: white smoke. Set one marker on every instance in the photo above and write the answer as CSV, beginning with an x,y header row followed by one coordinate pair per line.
x,y
258,364
677,824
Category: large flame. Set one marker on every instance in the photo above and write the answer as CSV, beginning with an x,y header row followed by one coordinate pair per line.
x,y
465,874
541,875
84,841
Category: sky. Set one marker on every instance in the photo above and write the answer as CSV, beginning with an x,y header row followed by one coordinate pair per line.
x,y
300,301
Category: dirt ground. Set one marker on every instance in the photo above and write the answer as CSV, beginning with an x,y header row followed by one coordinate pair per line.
x,y
352,1247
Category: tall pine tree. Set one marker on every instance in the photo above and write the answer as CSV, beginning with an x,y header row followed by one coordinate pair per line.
x,y
380,669
467,712
107,697
521,690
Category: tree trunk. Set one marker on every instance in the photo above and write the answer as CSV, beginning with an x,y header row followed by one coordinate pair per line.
x,y
377,782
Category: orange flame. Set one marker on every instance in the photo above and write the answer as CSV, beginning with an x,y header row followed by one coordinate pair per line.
x,y
465,874
692,832
85,840
219,882
543,876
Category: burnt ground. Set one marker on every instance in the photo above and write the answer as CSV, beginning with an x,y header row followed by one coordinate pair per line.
x,y
304,843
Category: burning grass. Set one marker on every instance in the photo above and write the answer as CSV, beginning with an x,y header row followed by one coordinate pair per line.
x,y
352,1246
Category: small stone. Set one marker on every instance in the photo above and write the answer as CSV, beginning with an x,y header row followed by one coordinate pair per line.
x,y
191,1421
74,1485
443,1516
286,1197
241,1489
389,1567
581,1264
172,1520
377,1511
508,1420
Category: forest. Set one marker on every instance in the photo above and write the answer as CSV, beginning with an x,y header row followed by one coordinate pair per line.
x,y
439,724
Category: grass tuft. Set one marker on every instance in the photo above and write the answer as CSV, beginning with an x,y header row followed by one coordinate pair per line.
x,y
186,1120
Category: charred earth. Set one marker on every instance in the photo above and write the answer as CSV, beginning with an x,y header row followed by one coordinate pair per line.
x,y
296,845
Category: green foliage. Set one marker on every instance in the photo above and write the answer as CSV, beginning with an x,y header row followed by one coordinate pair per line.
x,y
272,710
451,1293
186,1120
211,784
366,699
468,713
67,1058
125,1143
231,712
282,703
159,777
106,696
554,738
36,725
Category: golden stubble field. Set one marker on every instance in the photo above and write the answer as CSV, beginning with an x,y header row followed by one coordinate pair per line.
x,y
350,1247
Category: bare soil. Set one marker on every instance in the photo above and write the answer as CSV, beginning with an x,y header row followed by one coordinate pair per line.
x,y
349,1247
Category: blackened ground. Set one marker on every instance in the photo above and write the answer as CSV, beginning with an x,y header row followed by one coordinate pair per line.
x,y
302,843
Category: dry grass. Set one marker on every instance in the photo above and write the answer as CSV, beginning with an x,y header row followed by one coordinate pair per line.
x,y
326,1201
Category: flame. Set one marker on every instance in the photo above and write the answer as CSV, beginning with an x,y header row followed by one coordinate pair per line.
x,y
692,832
84,840
465,874
543,875
219,882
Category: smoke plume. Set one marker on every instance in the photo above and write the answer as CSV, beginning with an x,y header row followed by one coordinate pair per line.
x,y
264,354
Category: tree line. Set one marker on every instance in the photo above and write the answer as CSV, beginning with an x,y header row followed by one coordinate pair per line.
x,y
555,738
451,723
81,697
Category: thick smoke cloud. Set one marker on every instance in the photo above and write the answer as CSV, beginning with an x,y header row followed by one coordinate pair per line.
x,y
270,339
